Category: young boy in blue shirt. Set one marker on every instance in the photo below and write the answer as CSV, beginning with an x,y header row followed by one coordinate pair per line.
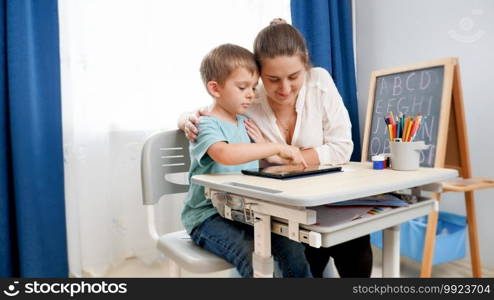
x,y
230,75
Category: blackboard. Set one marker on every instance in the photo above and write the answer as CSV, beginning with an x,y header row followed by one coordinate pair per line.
x,y
438,84
411,92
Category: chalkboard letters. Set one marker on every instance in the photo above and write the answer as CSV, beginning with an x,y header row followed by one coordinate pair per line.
x,y
415,92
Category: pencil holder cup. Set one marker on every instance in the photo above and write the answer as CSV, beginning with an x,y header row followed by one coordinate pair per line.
x,y
405,156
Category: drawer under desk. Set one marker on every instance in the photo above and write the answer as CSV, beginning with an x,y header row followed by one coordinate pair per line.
x,y
336,234
331,235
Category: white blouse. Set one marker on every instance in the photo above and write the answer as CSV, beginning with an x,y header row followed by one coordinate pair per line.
x,y
322,119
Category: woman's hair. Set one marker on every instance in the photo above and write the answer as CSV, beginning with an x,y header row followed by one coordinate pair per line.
x,y
280,39
223,60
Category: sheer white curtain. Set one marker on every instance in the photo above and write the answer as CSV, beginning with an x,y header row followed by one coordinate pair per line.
x,y
129,68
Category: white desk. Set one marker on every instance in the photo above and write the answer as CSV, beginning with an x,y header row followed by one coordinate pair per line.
x,y
295,201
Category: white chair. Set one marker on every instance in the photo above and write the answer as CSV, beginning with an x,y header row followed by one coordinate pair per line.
x,y
163,154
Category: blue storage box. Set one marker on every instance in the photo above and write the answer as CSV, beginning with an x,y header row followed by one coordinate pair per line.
x,y
450,238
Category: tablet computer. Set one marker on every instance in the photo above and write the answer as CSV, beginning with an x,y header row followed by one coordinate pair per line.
x,y
289,171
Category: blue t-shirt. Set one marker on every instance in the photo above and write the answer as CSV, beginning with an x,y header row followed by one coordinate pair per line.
x,y
211,130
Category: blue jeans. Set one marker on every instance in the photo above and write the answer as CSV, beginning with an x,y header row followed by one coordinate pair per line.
x,y
234,241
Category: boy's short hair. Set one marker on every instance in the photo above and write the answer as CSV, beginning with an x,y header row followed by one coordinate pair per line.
x,y
223,60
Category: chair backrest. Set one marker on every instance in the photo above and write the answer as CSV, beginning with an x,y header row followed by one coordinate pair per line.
x,y
163,153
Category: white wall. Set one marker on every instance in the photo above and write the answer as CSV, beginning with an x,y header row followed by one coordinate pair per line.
x,y
392,33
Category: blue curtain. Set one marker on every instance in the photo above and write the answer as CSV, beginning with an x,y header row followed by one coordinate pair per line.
x,y
32,212
327,28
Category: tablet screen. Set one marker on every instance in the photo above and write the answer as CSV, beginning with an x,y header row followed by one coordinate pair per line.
x,y
287,171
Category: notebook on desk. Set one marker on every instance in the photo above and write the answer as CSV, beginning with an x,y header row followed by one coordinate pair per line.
x,y
290,171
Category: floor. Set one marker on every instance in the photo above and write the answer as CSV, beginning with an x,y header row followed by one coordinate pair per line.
x,y
408,268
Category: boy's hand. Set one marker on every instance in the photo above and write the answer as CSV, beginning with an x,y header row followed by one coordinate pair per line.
x,y
190,127
254,131
292,154
277,160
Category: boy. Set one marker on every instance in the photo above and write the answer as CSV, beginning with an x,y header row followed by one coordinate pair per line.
x,y
230,75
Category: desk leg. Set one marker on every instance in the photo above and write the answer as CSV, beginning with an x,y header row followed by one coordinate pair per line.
x,y
262,260
391,252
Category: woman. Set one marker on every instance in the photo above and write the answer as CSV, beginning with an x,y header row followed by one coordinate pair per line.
x,y
299,105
